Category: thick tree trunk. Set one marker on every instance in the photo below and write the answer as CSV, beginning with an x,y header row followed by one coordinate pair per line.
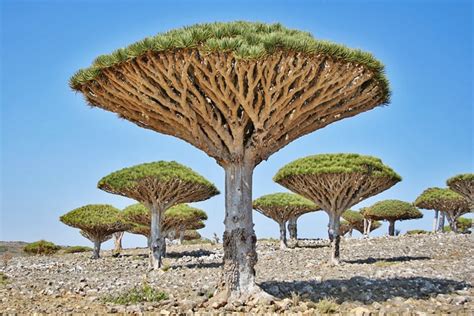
x,y
96,253
435,221
334,223
157,240
283,244
369,227
118,243
391,228
442,217
148,242
239,241
293,228
452,222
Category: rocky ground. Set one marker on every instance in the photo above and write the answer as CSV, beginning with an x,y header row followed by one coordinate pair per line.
x,y
421,275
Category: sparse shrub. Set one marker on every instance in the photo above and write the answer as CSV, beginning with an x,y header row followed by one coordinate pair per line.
x,y
327,306
382,264
41,247
3,248
417,232
139,294
3,278
463,225
76,249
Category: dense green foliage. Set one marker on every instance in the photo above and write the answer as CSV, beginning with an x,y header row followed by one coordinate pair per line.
x,y
163,171
41,247
463,225
76,249
246,40
461,177
3,278
185,212
392,210
92,217
144,293
191,235
285,200
441,199
353,216
336,164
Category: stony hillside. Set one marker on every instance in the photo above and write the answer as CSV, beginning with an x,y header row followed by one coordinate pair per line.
x,y
424,273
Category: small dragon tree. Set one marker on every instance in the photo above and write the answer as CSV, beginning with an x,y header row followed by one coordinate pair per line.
x,y
391,211
336,182
281,207
191,234
159,186
97,223
238,91
444,200
357,221
463,184
182,217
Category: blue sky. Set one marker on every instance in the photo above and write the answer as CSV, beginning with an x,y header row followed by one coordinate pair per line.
x,y
54,148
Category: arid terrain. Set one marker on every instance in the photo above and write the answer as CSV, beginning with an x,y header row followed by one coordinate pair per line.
x,y
422,274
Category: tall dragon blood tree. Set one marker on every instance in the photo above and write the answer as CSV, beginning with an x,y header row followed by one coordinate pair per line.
x,y
159,186
336,182
445,200
357,221
392,211
97,222
281,207
238,91
463,184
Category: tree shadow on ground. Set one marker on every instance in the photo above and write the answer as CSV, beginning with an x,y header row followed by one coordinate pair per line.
x,y
200,265
363,289
371,260
192,253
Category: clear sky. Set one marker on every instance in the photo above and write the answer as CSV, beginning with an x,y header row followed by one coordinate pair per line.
x,y
54,148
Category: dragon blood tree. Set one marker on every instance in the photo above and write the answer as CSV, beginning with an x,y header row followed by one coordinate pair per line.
x,y
182,217
344,227
97,222
336,182
357,221
238,91
158,186
281,207
463,184
391,211
452,204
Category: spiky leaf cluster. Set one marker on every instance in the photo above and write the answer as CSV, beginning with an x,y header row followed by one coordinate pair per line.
x,y
464,185
337,164
441,199
161,171
246,40
282,206
96,221
356,220
392,210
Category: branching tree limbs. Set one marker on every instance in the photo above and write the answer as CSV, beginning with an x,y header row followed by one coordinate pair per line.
x,y
391,211
159,186
97,222
463,184
281,207
357,221
238,91
452,204
336,182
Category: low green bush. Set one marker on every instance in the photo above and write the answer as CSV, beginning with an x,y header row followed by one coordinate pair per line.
x,y
417,232
139,294
41,247
3,278
75,249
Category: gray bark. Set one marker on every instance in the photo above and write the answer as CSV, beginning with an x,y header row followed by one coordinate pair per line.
x,y
442,217
181,237
118,243
240,256
435,221
391,228
334,223
293,228
369,226
157,238
452,222
96,253
283,244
